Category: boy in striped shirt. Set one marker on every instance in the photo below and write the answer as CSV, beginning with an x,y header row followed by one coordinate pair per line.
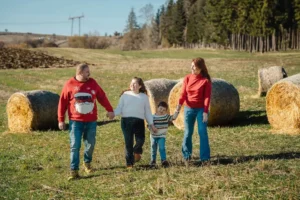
x,y
161,121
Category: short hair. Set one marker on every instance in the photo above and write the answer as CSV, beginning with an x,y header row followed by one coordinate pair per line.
x,y
163,104
81,67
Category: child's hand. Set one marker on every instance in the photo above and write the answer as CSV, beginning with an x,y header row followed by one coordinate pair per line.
x,y
154,129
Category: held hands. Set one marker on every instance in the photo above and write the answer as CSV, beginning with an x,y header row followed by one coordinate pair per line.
x,y
154,129
205,117
110,115
178,107
61,125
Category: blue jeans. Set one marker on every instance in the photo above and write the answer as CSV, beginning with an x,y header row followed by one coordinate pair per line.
x,y
190,116
87,131
133,128
162,149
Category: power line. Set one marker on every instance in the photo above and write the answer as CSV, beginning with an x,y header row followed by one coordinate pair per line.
x,y
72,18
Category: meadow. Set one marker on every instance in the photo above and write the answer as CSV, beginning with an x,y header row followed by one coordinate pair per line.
x,y
249,160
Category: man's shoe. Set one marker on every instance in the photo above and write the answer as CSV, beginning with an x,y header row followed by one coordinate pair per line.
x,y
137,157
129,167
88,168
165,163
73,175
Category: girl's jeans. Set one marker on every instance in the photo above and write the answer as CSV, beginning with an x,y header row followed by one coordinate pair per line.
x,y
87,131
190,116
133,128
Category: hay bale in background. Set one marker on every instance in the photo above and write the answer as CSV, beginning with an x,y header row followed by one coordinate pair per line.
x,y
283,105
159,90
32,110
224,103
267,77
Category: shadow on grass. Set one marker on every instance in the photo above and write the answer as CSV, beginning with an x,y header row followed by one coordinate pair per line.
x,y
226,160
246,118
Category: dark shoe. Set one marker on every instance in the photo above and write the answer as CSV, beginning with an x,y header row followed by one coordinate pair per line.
x,y
137,157
129,167
73,175
153,163
165,163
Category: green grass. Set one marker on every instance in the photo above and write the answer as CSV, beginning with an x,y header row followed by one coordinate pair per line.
x,y
248,161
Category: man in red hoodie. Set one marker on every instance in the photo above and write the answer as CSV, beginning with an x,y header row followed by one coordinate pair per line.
x,y
79,96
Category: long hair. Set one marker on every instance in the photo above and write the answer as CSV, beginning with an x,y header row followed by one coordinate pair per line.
x,y
200,64
141,83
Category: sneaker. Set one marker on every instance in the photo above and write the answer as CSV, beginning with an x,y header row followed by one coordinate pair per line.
x,y
87,168
73,175
153,163
137,157
165,163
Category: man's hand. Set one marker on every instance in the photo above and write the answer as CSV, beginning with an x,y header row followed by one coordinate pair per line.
x,y
205,117
154,129
110,115
61,126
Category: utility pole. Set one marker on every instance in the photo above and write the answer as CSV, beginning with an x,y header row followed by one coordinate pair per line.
x,y
72,18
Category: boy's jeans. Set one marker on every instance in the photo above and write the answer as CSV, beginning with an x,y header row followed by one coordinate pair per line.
x,y
133,127
87,131
162,150
190,116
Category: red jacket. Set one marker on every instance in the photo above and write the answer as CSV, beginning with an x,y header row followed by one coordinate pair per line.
x,y
79,98
196,92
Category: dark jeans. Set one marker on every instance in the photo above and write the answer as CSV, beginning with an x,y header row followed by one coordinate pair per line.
x,y
133,128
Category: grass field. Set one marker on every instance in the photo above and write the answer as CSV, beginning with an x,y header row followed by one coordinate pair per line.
x,y
248,160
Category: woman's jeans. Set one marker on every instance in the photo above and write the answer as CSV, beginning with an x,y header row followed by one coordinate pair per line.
x,y
160,142
87,131
190,116
133,128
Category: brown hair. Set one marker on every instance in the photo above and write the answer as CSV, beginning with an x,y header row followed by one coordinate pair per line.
x,y
80,68
200,64
141,83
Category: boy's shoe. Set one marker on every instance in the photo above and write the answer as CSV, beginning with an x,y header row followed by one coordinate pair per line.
x,y
165,163
87,168
73,175
153,163
137,157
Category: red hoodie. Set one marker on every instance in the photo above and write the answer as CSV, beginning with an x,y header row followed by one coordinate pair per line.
x,y
79,98
196,92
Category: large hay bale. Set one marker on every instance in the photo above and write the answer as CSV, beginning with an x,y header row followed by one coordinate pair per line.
x,y
267,77
32,110
159,90
224,103
283,105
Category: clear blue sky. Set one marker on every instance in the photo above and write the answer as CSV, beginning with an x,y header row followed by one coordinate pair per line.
x,y
52,16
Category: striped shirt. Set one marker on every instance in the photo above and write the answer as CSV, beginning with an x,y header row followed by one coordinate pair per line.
x,y
161,122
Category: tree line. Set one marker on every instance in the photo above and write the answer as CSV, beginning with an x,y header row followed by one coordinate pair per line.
x,y
244,25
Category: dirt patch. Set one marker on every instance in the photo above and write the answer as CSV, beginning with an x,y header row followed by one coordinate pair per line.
x,y
13,58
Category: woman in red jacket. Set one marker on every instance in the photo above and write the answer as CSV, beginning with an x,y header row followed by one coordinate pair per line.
x,y
196,93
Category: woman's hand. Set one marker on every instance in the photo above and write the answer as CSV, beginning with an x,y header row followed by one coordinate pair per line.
x,y
205,117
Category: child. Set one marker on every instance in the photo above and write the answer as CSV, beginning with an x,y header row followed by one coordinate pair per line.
x,y
161,121
134,107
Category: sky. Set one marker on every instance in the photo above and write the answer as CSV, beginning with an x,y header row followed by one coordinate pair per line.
x,y
52,16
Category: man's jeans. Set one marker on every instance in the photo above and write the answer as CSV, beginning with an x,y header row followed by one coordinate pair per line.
x,y
162,149
133,127
190,116
87,131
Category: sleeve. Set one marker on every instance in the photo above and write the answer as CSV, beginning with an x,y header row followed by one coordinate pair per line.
x,y
103,100
63,104
148,114
183,94
207,95
118,110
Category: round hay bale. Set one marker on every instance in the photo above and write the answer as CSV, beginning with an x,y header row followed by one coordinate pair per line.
x,y
159,90
267,77
224,103
283,105
32,110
